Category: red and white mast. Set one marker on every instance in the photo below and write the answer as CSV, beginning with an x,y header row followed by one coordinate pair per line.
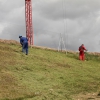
x,y
28,18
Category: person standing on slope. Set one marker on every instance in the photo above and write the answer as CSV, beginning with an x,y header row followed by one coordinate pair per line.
x,y
24,43
81,52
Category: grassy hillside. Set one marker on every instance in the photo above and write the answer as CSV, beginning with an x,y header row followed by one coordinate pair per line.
x,y
47,75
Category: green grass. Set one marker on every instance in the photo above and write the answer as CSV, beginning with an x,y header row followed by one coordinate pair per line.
x,y
46,74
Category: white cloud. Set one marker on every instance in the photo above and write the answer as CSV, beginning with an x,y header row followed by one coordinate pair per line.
x,y
77,20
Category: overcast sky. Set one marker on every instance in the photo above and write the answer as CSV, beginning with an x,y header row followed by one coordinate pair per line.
x,y
55,22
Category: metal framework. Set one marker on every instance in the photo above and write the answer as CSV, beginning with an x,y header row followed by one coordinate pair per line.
x,y
61,42
28,18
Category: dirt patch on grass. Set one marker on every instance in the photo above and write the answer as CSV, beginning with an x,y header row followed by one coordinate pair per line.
x,y
9,41
88,96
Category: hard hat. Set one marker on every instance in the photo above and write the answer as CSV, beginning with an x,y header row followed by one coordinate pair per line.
x,y
20,36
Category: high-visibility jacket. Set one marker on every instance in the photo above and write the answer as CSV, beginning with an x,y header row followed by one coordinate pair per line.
x,y
81,49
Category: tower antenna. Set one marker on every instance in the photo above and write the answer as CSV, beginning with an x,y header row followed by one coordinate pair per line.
x,y
61,44
28,18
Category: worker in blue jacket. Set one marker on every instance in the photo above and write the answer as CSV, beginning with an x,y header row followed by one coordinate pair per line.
x,y
24,43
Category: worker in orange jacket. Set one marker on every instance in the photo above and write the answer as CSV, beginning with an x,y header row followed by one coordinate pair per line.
x,y
81,52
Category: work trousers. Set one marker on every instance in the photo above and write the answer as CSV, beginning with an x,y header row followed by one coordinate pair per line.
x,y
81,57
25,47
